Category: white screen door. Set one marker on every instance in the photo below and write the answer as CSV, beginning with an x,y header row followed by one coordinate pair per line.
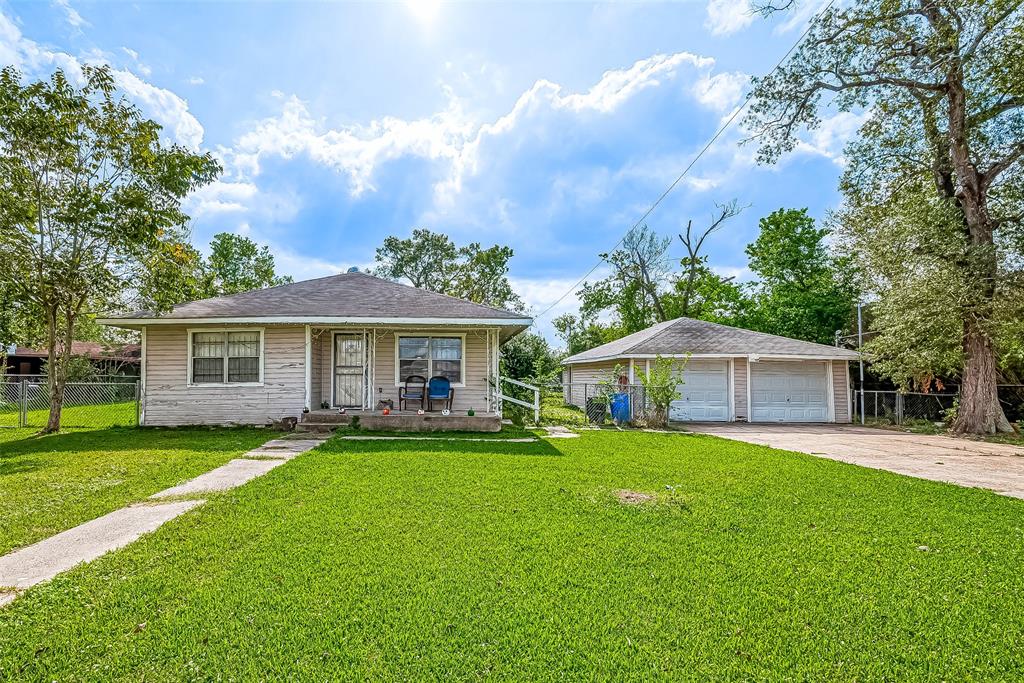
x,y
349,370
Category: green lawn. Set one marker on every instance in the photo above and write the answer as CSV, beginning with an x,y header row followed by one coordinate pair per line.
x,y
52,483
466,560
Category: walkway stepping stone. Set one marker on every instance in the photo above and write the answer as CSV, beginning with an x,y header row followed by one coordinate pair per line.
x,y
235,473
560,432
44,560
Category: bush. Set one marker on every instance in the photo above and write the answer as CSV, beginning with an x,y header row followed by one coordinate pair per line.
x,y
661,384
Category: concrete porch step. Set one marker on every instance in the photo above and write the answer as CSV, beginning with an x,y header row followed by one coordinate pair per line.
x,y
326,421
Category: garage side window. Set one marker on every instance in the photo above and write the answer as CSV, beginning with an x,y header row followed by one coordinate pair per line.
x,y
430,356
226,357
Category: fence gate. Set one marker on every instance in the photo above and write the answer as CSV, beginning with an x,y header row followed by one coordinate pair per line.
x,y
86,404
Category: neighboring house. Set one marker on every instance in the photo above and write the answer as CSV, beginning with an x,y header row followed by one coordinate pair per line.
x,y
732,374
121,359
347,340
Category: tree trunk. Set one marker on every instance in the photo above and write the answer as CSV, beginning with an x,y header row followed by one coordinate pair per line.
x,y
55,371
980,412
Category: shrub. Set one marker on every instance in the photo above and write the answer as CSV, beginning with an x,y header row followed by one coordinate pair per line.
x,y
661,385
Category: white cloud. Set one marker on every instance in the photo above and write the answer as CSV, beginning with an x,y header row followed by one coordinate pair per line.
x,y
449,136
829,139
221,197
139,66
722,91
195,80
728,16
164,106
71,14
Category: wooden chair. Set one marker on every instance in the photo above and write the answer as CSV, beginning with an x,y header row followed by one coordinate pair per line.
x,y
415,390
440,389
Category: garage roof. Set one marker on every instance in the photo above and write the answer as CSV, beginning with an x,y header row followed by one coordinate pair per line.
x,y
685,335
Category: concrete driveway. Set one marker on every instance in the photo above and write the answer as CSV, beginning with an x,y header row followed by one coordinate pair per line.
x,y
997,467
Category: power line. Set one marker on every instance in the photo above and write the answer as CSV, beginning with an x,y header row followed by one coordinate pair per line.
x,y
686,170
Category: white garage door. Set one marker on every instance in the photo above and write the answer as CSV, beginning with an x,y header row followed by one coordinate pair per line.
x,y
788,392
705,393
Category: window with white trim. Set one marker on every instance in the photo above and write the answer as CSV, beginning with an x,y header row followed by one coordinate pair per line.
x,y
429,357
226,357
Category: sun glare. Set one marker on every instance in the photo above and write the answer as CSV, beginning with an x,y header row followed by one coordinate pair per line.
x,y
424,10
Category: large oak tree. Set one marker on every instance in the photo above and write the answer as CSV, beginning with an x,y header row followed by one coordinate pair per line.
x,y
943,84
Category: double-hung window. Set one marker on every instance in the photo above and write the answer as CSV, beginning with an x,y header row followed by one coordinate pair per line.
x,y
430,356
226,357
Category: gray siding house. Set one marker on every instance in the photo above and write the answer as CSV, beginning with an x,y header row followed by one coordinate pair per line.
x,y
732,374
347,340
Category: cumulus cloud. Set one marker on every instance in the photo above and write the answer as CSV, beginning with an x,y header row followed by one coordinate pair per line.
x,y
728,16
722,91
449,136
163,106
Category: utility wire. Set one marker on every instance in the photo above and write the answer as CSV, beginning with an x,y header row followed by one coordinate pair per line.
x,y
689,166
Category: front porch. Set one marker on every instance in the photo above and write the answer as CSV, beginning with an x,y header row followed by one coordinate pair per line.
x,y
327,420
363,368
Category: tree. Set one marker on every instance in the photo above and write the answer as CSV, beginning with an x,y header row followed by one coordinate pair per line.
x,y
644,288
431,260
803,291
943,83
87,194
695,268
237,264
633,291
529,357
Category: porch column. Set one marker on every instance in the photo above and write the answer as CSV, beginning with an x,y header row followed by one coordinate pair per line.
x,y
309,367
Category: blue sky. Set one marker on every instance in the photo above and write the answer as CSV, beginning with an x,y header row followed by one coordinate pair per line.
x,y
546,127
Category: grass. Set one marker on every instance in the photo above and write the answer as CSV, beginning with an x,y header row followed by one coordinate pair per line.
x,y
52,483
95,416
384,559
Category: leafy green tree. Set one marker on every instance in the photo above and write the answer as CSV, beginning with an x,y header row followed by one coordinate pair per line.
x,y
431,260
88,193
803,291
943,84
237,264
529,357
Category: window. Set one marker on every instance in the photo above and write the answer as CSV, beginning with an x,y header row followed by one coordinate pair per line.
x,y
430,356
226,357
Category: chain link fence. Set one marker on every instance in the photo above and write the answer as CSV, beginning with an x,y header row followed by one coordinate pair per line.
x,y
900,408
26,403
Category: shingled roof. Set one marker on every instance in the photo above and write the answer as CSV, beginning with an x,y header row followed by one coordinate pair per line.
x,y
346,296
686,335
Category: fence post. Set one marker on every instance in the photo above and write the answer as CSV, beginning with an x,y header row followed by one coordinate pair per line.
x,y
899,408
23,404
138,404
536,407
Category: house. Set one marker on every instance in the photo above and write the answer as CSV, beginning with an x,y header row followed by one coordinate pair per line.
x,y
732,374
120,359
347,340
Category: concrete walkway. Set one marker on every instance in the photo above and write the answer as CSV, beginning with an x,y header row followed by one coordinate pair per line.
x,y
997,467
42,561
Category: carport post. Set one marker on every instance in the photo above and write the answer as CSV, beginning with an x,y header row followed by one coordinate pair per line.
x,y
860,350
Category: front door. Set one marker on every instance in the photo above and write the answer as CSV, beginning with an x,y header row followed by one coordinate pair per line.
x,y
349,370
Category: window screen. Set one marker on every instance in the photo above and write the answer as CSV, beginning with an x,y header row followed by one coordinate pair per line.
x,y
225,357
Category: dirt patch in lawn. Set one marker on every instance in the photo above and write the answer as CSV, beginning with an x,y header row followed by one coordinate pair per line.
x,y
627,497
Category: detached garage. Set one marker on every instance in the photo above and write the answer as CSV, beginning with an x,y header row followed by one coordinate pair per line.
x,y
732,374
